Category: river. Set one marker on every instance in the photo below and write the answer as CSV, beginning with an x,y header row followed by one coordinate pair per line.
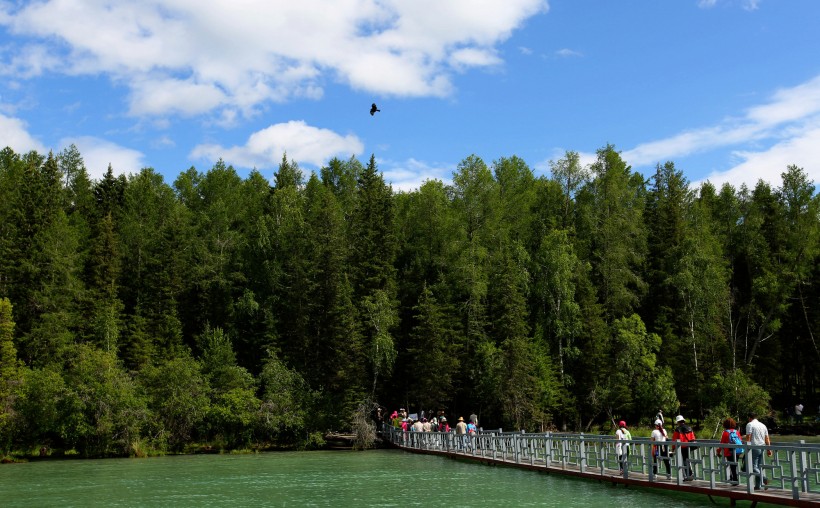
x,y
387,478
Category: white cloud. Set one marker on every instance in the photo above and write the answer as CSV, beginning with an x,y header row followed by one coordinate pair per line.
x,y
749,5
99,153
802,150
789,104
472,57
767,138
173,96
188,57
567,53
264,149
411,174
14,134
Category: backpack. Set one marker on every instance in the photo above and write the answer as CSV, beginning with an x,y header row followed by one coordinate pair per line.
x,y
735,439
686,435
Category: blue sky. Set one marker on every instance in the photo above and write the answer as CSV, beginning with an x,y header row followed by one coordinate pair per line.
x,y
727,89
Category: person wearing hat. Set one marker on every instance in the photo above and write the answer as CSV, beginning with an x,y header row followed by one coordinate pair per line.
x,y
683,433
622,449
660,452
461,432
443,426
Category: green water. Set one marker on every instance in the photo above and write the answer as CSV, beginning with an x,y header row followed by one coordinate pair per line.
x,y
340,479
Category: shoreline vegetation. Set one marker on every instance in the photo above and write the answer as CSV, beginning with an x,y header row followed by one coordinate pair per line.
x,y
138,317
199,449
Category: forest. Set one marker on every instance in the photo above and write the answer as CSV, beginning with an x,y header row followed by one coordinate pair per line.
x,y
140,316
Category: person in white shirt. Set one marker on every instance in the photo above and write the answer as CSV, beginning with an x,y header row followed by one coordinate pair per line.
x,y
660,452
798,413
622,449
758,435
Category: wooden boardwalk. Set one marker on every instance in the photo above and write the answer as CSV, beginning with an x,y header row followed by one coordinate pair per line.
x,y
792,471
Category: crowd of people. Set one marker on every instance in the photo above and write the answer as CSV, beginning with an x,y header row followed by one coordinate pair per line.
x,y
662,447
437,423
756,434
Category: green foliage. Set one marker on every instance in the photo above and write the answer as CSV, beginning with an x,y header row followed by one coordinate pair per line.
x,y
737,395
432,353
100,409
286,402
9,375
237,311
38,408
381,317
233,416
178,397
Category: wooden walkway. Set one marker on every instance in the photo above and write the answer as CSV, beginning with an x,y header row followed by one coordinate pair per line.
x,y
792,472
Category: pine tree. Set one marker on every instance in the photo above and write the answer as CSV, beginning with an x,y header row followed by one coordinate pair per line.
x,y
613,227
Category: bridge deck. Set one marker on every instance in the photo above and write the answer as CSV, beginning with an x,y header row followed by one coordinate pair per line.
x,y
554,454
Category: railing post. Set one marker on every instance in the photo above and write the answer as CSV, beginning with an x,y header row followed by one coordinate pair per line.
x,y
582,459
804,467
712,469
548,451
563,454
795,474
750,474
679,466
516,448
643,454
650,462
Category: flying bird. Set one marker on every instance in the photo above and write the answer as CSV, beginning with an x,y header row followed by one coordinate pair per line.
x,y
373,109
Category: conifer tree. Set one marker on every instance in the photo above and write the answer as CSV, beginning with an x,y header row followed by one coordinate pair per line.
x,y
432,353
613,229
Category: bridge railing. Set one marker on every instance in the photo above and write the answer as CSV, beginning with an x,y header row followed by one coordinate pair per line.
x,y
792,467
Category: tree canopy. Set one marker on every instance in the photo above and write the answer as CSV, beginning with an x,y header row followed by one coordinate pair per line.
x,y
244,311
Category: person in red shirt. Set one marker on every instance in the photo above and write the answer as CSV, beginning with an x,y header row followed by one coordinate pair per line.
x,y
684,434
730,435
443,426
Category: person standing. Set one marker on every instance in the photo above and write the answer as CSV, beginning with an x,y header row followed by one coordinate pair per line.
x,y
461,432
622,449
660,451
734,454
683,433
798,413
758,435
471,428
442,425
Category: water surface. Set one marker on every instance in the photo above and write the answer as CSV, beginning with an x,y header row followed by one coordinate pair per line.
x,y
386,478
